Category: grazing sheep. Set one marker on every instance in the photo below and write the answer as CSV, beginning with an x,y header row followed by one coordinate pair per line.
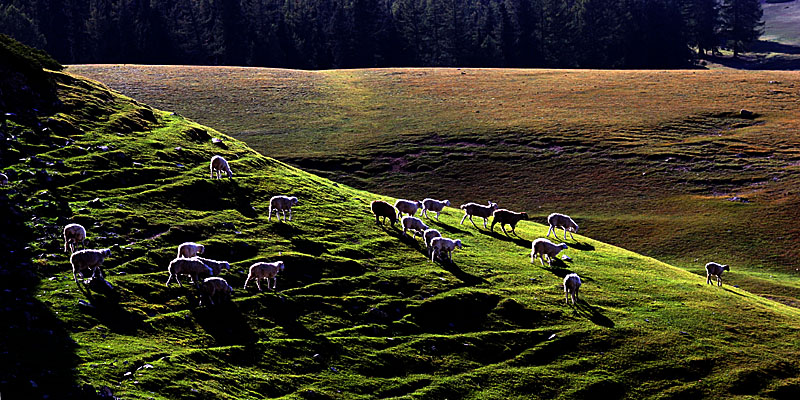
x,y
572,283
219,165
557,220
429,235
188,266
281,203
88,259
543,247
383,209
264,270
414,224
477,210
3,179
409,207
509,217
216,266
714,269
190,249
215,287
74,234
434,205
442,245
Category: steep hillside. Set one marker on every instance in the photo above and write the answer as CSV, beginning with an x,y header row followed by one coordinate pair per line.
x,y
360,311
659,162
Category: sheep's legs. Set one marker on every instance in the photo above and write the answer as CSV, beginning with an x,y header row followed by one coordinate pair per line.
x,y
549,230
274,283
504,229
290,214
708,279
437,216
484,223
246,281
462,219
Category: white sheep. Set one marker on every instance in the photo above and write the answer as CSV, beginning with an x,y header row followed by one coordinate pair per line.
x,y
216,266
429,235
557,220
190,249
543,247
714,269
572,283
188,266
409,207
88,259
3,179
215,287
264,270
443,245
509,217
281,203
219,165
478,210
74,234
414,224
434,205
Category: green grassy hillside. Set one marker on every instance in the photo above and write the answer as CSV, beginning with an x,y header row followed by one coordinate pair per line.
x,y
360,312
659,162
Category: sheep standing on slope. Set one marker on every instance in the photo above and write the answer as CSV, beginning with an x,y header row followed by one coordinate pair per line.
x,y
219,165
543,247
557,220
434,205
441,246
216,266
264,270
714,269
409,207
281,203
188,266
572,283
478,210
414,224
215,288
88,259
190,249
383,209
509,217
428,236
74,234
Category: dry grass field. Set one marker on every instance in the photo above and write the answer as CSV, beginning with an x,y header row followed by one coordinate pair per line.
x,y
659,162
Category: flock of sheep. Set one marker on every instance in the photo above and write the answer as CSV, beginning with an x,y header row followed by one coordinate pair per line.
x,y
216,289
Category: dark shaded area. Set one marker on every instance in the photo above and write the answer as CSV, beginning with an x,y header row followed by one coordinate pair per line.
x,y
461,312
25,88
516,240
767,46
592,313
225,323
107,310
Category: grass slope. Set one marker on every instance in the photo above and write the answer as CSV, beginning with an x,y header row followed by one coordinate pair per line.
x,y
360,311
655,161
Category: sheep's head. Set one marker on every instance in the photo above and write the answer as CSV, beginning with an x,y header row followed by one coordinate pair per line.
x,y
230,174
293,200
493,206
447,203
563,246
226,265
458,243
106,252
726,268
573,229
524,215
200,249
280,265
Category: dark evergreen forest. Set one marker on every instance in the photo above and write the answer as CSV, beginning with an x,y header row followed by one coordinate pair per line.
x,y
318,34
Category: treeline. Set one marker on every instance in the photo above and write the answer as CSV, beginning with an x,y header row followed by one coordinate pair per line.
x,y
317,34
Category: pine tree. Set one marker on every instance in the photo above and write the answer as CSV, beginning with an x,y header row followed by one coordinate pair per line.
x,y
741,23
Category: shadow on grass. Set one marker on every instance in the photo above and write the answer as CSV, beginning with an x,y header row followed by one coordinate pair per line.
x,y
499,236
452,228
225,323
581,246
766,46
467,278
106,308
586,310
731,291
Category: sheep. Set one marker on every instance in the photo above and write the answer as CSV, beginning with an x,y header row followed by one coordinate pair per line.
x,y
572,283
509,217
264,270
429,235
443,245
190,249
543,247
74,234
478,210
414,224
409,207
714,269
434,205
383,209
557,220
88,259
3,179
188,266
216,266
215,287
218,165
281,203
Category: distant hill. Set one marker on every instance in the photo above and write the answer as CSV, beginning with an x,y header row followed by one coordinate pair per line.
x,y
360,312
